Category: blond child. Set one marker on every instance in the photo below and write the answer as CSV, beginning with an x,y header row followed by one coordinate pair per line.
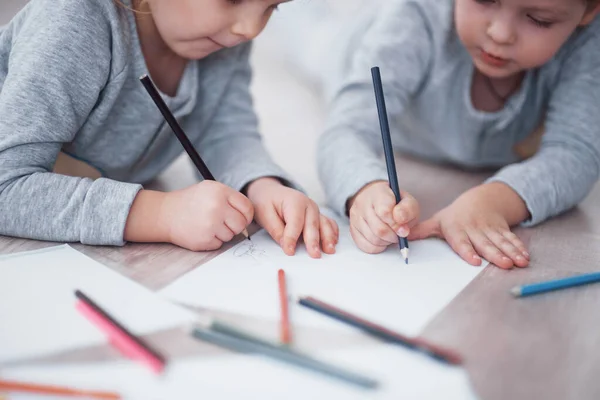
x,y
69,73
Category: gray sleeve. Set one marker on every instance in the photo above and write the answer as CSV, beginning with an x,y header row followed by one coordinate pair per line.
x,y
58,66
567,166
232,146
349,153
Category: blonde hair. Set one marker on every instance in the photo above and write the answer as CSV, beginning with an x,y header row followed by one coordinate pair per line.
x,y
133,8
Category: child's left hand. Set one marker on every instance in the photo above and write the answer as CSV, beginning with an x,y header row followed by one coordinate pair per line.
x,y
478,224
287,213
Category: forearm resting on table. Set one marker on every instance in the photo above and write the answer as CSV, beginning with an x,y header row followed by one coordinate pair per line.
x,y
145,222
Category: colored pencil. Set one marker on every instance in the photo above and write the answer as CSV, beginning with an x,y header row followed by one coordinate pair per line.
x,y
556,284
381,332
286,333
179,133
230,330
127,342
388,148
14,386
281,353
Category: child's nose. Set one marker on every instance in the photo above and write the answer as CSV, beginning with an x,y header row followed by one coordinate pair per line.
x,y
247,27
501,31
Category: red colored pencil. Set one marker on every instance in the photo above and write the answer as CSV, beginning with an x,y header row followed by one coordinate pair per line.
x,y
286,333
14,386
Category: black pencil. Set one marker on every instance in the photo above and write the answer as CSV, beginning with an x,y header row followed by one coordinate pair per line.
x,y
388,149
178,131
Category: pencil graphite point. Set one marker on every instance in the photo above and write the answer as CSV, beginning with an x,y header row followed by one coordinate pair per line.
x,y
404,253
246,234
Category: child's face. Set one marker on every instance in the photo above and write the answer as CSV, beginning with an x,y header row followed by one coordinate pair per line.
x,y
194,29
505,37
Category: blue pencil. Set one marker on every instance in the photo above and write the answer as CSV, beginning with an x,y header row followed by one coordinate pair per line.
x,y
387,148
542,287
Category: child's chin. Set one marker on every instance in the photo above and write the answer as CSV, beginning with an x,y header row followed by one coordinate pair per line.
x,y
495,72
196,53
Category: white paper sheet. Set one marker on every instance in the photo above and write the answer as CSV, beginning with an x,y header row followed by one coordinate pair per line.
x,y
378,287
37,303
402,374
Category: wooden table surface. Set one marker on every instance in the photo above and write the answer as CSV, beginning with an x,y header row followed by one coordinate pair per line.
x,y
545,347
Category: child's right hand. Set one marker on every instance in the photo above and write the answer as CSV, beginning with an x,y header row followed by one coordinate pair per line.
x,y
206,215
376,220
198,218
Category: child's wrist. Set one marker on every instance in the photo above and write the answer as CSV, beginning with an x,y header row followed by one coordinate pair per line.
x,y
148,218
259,185
507,202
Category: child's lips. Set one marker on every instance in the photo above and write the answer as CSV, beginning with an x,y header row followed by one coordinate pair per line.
x,y
217,43
493,60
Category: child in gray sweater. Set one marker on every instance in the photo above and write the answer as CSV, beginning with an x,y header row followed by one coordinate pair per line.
x,y
69,84
466,82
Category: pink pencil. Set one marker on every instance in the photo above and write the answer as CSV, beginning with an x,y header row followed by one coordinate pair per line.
x,y
129,344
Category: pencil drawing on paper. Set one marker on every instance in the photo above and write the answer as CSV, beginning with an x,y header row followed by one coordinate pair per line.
x,y
249,249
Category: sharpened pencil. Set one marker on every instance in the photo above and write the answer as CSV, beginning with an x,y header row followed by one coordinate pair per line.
x,y
388,149
178,131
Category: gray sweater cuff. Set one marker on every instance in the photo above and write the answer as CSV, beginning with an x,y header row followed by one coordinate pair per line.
x,y
340,192
105,211
240,179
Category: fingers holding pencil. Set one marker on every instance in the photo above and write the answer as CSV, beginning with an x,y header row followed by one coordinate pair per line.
x,y
377,221
405,214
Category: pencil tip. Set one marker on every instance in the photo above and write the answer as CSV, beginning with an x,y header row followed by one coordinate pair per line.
x,y
406,261
516,291
404,253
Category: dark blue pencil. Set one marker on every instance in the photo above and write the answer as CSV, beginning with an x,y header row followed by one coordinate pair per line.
x,y
387,148
542,287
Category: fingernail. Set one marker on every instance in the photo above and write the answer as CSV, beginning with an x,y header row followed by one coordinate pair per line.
x,y
331,246
290,249
476,258
520,258
526,254
403,232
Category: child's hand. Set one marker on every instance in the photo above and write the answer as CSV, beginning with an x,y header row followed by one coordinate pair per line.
x,y
285,213
376,220
478,224
206,215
